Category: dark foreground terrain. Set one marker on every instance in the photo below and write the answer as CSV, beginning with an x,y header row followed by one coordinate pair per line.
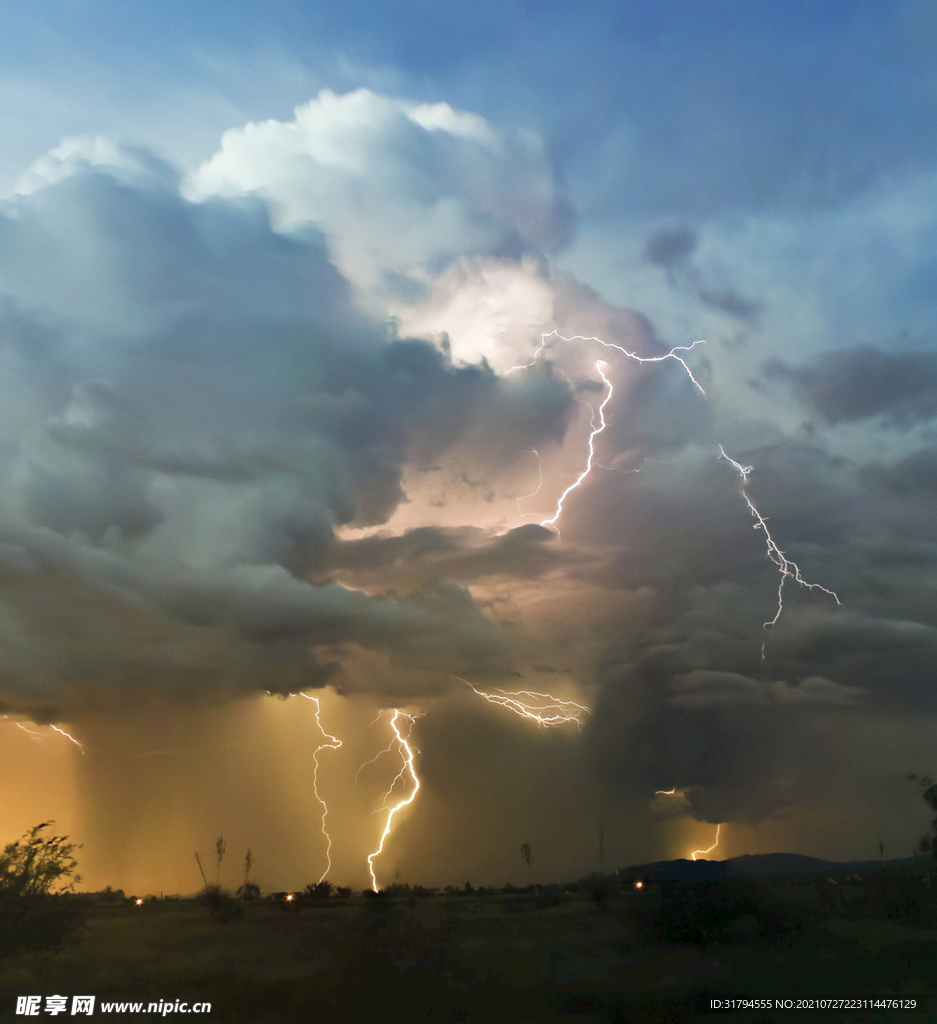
x,y
498,959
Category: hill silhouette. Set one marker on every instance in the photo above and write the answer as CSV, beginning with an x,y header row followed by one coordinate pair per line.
x,y
769,865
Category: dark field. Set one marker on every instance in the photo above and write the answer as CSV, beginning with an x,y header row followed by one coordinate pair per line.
x,y
496,959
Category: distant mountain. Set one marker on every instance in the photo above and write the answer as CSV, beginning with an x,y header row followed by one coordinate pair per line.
x,y
769,865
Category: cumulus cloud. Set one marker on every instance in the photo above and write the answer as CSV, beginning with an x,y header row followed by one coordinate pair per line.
x,y
397,187
193,403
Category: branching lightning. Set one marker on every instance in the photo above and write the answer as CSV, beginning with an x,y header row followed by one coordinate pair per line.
x,y
69,736
542,708
409,757
37,736
597,428
711,848
331,743
787,568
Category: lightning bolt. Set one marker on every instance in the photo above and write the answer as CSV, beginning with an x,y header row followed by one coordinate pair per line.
x,y
380,753
331,743
409,756
711,848
69,736
37,736
532,494
542,708
597,428
665,792
788,569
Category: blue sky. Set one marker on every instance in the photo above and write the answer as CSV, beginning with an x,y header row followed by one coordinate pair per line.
x,y
687,108
263,318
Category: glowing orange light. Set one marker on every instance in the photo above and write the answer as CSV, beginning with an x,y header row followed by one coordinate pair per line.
x,y
139,903
289,897
639,885
711,848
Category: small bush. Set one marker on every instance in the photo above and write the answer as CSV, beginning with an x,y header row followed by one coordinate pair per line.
x,y
36,914
222,906
703,912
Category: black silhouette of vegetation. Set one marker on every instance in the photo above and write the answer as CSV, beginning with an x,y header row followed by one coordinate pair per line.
x,y
221,905
37,876
732,912
320,891
928,789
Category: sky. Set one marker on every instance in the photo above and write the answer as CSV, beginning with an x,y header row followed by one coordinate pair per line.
x,y
420,358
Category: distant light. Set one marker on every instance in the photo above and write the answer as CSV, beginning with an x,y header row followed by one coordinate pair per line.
x,y
289,896
639,885
139,903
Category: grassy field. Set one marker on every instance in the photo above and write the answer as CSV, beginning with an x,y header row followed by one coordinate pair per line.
x,y
458,959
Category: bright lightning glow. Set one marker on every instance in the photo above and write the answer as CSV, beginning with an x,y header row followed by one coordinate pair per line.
x,y
409,757
665,792
711,848
68,736
31,733
542,708
37,736
597,429
788,568
331,743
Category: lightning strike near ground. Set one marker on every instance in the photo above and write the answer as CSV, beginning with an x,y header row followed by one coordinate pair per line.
x,y
542,708
788,569
711,848
331,743
409,757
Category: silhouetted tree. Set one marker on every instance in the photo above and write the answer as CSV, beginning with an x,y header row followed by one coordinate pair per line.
x,y
928,789
526,853
35,864
248,864
36,874
248,891
320,891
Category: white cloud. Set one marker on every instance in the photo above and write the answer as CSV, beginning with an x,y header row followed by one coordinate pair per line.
x,y
395,186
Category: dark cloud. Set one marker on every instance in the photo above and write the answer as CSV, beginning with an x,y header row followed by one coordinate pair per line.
x,y
864,382
730,302
668,248
192,404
